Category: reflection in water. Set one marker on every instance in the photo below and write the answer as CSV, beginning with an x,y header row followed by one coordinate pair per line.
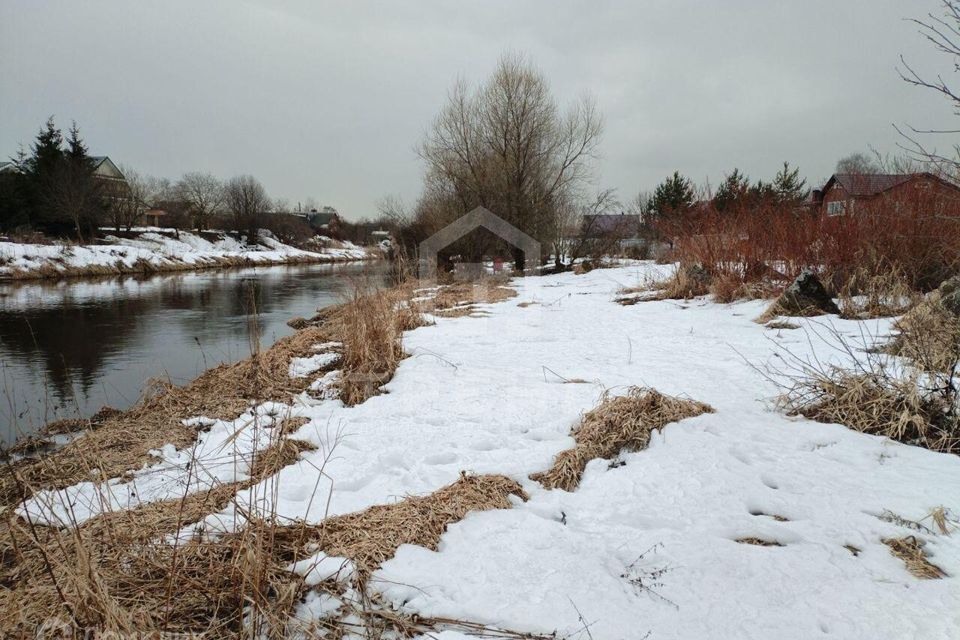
x,y
68,348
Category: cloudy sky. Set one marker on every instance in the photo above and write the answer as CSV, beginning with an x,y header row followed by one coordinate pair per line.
x,y
329,99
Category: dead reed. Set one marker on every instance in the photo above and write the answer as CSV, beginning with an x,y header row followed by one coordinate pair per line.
x,y
618,423
907,402
929,335
758,542
876,293
118,573
460,299
370,537
370,326
910,550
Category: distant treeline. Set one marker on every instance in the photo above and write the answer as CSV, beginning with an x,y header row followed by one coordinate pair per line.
x,y
56,188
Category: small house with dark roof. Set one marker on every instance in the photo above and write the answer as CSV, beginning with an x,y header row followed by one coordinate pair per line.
x,y
846,193
105,169
326,221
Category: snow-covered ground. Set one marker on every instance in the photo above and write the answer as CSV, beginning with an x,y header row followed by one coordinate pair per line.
x,y
644,546
160,251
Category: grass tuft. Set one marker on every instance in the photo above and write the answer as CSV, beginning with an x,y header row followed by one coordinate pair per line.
x,y
617,423
910,550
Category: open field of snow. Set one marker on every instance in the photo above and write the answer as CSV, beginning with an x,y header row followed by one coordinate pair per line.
x,y
153,250
644,545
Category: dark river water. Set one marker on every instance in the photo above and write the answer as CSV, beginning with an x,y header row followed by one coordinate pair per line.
x,y
68,348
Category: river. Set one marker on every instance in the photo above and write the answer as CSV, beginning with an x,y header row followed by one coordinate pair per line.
x,y
69,347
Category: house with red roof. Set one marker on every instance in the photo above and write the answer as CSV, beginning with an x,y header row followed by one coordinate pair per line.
x,y
921,193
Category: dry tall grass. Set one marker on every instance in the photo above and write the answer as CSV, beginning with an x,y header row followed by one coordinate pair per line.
x,y
929,335
117,573
914,402
618,423
910,550
370,326
872,293
127,572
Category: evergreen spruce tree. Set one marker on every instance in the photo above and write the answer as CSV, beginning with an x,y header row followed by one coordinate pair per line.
x,y
732,192
40,170
673,195
77,194
14,209
789,186
46,152
762,193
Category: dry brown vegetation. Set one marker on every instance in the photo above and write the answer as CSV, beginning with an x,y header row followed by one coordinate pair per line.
x,y
123,440
869,294
929,335
460,299
116,573
686,282
370,537
370,326
121,572
758,542
617,423
913,401
910,550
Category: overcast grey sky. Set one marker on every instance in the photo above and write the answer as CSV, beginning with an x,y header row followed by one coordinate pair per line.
x,y
328,99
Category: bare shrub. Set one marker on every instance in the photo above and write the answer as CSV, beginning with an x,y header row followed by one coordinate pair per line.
x,y
874,394
773,243
618,423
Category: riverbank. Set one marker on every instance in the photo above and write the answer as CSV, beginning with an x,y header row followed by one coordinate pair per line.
x,y
71,346
462,458
155,250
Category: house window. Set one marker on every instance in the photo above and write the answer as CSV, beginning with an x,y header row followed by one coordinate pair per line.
x,y
836,208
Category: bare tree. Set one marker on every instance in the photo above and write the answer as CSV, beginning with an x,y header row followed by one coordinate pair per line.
x,y
204,195
281,205
392,208
131,199
857,163
588,238
507,146
248,204
943,33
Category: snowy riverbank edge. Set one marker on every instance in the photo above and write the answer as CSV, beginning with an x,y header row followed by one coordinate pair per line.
x,y
155,251
650,542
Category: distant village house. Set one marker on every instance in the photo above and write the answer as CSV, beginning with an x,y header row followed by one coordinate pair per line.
x,y
325,221
924,193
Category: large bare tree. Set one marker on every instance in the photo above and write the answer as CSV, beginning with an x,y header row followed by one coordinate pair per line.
x,y
204,195
507,145
248,203
943,33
